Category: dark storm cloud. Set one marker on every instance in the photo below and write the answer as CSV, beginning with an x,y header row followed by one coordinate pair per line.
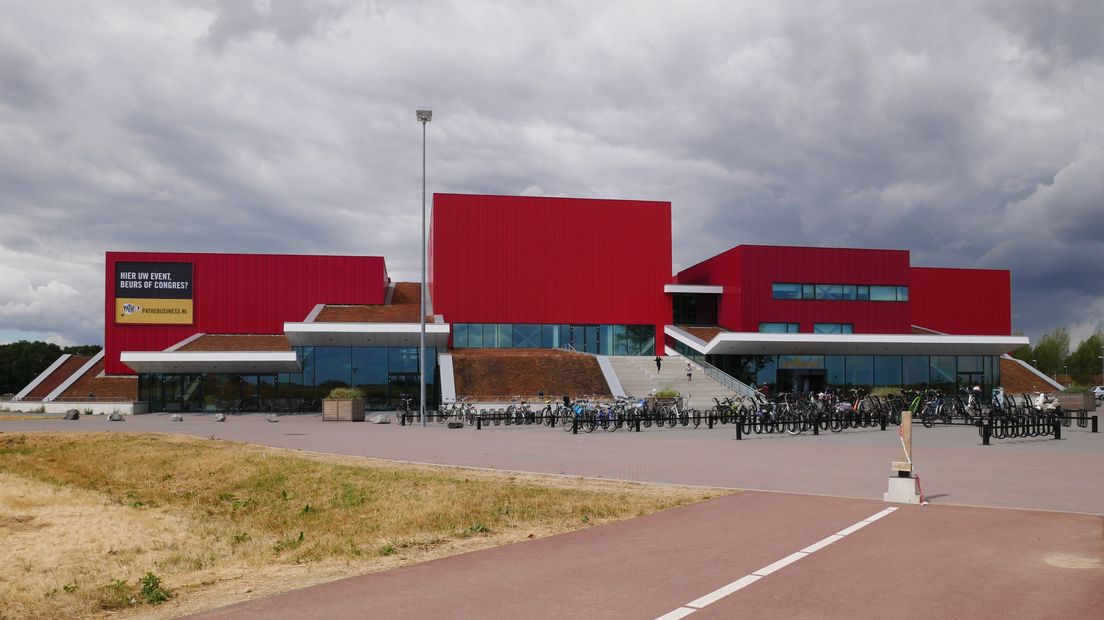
x,y
965,132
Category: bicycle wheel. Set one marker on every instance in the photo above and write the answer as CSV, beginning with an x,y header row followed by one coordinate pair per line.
x,y
794,425
696,417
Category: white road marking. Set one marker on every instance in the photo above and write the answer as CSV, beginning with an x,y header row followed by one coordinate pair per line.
x,y
747,580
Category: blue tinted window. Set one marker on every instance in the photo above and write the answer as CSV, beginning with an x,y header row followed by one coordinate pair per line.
x,y
459,335
829,292
808,291
786,291
490,335
403,359
849,292
778,328
914,370
548,336
860,370
883,293
887,370
862,293
943,370
527,336
902,293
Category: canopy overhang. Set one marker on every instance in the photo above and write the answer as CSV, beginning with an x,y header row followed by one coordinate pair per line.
x,y
195,362
364,334
755,343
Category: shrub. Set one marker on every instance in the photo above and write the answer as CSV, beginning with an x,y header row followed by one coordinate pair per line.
x,y
152,591
667,394
345,393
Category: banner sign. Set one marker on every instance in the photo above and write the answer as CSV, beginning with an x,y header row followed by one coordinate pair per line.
x,y
153,293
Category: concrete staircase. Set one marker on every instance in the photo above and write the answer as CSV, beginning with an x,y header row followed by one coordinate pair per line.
x,y
639,378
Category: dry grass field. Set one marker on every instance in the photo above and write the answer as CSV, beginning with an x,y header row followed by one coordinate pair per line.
x,y
85,517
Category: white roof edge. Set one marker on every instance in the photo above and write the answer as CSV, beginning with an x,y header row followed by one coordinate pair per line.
x,y
216,356
366,328
77,375
42,376
1011,342
693,288
1035,371
687,338
191,338
313,314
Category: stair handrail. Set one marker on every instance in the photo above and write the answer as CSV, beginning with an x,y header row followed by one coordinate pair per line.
x,y
723,378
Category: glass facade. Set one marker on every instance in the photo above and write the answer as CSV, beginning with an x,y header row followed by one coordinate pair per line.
x,y
839,292
598,339
814,372
833,328
778,328
384,374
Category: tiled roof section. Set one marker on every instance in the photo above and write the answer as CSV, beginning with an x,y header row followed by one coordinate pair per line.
x,y
93,387
238,342
705,333
404,308
56,378
501,373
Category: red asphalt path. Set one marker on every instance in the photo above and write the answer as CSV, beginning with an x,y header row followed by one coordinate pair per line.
x,y
918,561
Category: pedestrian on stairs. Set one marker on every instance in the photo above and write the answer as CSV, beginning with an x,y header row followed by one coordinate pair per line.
x,y
689,372
659,362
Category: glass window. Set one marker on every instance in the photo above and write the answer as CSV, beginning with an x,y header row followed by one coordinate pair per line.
x,y
883,293
565,336
460,335
780,290
370,374
860,370
591,343
808,291
505,335
943,369
620,339
829,292
887,370
800,362
402,359
640,340
778,328
902,293
848,328
849,292
768,373
605,341
306,361
827,328
333,368
914,371
490,335
475,336
549,336
862,293
970,363
834,369
527,336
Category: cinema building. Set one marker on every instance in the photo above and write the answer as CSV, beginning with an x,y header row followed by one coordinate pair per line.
x,y
193,332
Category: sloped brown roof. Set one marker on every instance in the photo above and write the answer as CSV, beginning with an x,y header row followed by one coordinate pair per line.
x,y
56,378
705,333
238,342
502,373
93,387
1015,379
405,307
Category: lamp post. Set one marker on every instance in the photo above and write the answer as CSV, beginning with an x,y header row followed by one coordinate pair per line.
x,y
424,115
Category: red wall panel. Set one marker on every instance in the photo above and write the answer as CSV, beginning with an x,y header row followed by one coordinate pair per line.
x,y
520,259
748,271
244,294
962,301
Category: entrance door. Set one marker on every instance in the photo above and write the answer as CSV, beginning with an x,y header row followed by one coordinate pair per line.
x,y
801,380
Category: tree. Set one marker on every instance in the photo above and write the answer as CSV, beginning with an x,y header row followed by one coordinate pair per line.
x,y
21,362
1085,362
83,349
1052,351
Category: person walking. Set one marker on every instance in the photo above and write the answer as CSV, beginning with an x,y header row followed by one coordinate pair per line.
x,y
689,372
659,363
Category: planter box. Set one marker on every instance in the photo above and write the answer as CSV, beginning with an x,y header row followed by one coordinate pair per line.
x,y
1084,400
343,410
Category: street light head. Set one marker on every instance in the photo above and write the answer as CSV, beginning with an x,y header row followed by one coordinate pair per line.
x,y
424,115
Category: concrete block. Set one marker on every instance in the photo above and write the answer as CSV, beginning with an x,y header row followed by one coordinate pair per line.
x,y
903,491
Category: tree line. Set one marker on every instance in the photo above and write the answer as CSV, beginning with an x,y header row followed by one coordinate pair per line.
x,y
21,362
1051,355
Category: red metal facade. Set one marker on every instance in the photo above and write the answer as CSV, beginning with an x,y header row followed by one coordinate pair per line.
x,y
748,271
244,294
962,301
519,259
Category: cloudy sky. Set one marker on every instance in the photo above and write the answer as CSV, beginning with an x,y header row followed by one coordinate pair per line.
x,y
971,133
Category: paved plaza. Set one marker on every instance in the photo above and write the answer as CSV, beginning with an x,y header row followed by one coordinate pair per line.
x,y
814,541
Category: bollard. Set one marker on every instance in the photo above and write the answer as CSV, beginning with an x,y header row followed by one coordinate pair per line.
x,y
739,429
884,421
638,424
986,431
709,421
1094,424
479,423
402,419
816,423
575,426
1057,429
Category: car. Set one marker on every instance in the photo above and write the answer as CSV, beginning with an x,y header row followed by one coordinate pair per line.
x,y
1098,392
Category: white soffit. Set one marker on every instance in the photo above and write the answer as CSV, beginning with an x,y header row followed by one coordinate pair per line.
x,y
365,334
755,343
211,361
693,288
